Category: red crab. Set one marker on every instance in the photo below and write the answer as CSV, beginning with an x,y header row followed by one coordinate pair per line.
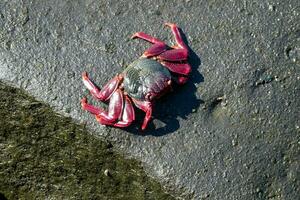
x,y
142,82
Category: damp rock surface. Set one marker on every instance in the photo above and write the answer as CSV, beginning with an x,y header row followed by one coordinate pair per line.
x,y
46,156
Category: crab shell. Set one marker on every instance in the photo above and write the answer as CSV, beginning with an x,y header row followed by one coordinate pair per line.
x,y
142,82
146,79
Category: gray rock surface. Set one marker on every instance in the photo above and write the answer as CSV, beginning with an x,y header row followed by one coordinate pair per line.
x,y
232,132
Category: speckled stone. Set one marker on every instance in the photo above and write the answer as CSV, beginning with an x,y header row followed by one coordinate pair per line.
x,y
231,132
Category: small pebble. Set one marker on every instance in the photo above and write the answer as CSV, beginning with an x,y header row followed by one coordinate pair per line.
x,y
272,7
107,173
234,142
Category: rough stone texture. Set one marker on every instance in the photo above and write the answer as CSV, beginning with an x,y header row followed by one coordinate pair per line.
x,y
46,156
232,132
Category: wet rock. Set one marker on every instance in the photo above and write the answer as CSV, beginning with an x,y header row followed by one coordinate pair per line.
x,y
238,50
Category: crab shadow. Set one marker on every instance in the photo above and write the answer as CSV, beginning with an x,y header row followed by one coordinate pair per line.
x,y
180,103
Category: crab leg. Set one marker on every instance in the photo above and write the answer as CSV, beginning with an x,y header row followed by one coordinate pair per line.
x,y
182,70
157,48
180,51
106,91
174,55
177,35
146,37
146,106
114,108
180,79
178,68
128,115
92,109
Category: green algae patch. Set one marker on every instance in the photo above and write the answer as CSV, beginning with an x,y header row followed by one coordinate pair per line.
x,y
47,156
